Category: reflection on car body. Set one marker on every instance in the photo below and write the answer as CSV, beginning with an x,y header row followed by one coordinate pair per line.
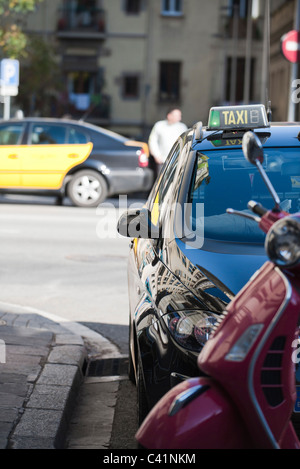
x,y
184,272
70,158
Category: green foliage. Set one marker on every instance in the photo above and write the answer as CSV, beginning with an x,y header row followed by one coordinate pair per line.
x,y
17,6
41,81
13,41
40,76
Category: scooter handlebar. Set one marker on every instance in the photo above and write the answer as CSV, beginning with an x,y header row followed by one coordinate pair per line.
x,y
265,218
257,208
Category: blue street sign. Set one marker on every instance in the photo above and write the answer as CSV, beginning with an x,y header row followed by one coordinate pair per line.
x,y
9,72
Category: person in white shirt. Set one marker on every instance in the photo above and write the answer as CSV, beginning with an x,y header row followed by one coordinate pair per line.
x,y
164,134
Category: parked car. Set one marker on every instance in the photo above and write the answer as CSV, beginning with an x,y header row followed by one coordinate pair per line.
x,y
188,256
70,158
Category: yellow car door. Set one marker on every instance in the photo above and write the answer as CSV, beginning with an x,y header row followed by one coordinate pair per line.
x,y
45,166
10,163
46,159
9,167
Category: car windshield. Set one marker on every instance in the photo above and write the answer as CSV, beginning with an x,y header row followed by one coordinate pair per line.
x,y
224,179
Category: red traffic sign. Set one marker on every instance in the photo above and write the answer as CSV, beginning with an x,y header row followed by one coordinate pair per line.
x,y
290,46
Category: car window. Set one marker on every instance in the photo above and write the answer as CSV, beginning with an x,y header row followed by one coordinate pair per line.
x,y
106,141
165,186
224,180
45,134
11,134
76,136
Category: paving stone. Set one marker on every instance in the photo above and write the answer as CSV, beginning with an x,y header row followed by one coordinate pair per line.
x,y
36,422
37,395
30,443
7,376
8,414
49,397
68,339
5,429
3,442
65,354
21,388
38,350
58,374
24,336
10,399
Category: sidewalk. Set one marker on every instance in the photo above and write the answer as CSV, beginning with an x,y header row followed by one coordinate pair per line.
x,y
41,369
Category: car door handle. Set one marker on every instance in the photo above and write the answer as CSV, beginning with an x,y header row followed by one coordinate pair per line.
x,y
13,156
73,155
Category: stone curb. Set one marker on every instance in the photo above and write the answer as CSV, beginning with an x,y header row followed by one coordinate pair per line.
x,y
45,366
48,409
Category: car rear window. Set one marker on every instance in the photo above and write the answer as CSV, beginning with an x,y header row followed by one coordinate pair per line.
x,y
11,134
224,180
107,141
76,136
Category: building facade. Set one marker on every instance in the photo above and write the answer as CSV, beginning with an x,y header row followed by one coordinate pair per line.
x,y
283,18
124,63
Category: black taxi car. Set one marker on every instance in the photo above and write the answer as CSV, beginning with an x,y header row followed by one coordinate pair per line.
x,y
62,157
188,256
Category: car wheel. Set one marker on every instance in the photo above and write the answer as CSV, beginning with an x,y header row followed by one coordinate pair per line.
x,y
141,396
87,189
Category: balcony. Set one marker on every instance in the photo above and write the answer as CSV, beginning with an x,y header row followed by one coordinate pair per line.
x,y
228,29
84,23
91,108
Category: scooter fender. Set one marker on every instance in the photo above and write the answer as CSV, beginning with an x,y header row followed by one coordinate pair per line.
x,y
195,414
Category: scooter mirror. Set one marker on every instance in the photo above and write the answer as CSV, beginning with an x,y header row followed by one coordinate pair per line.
x,y
252,148
253,151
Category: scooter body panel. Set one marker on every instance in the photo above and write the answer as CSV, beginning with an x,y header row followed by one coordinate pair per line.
x,y
208,421
262,384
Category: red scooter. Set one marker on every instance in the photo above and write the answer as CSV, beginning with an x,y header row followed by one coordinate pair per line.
x,y
247,395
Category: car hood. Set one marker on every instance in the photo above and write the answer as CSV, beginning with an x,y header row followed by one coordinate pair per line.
x,y
227,271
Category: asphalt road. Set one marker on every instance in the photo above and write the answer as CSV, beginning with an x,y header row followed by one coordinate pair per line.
x,y
64,260
70,262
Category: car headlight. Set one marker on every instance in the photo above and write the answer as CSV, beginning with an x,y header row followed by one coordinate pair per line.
x,y
190,329
283,242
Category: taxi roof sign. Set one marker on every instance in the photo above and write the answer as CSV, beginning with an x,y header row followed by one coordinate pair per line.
x,y
230,118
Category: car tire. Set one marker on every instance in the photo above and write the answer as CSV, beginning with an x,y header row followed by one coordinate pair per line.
x,y
142,405
87,188
131,371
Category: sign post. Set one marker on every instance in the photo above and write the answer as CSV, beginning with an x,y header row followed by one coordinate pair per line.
x,y
290,46
9,82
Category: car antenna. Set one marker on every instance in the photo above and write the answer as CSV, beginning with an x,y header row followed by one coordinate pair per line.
x,y
269,112
85,115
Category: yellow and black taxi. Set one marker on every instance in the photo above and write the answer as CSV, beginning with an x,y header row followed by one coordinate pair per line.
x,y
188,256
79,160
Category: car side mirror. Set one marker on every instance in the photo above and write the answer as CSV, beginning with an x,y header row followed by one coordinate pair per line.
x,y
136,223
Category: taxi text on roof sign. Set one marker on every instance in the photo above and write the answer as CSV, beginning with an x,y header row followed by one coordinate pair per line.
x,y
238,117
